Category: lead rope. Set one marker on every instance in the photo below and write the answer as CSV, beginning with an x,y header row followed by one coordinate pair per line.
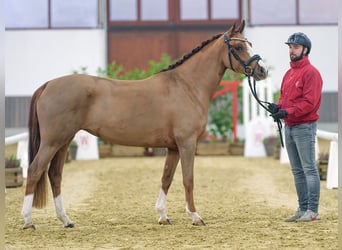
x,y
262,104
248,73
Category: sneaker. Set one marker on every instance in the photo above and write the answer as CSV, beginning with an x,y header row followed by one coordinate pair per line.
x,y
309,216
298,214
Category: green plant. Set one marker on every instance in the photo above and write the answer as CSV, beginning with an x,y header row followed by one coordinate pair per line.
x,y
113,70
276,96
220,121
83,70
73,144
12,162
116,71
155,67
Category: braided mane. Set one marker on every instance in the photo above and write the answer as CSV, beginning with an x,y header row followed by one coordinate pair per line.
x,y
190,54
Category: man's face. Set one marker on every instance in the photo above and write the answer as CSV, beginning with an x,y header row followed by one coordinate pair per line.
x,y
295,51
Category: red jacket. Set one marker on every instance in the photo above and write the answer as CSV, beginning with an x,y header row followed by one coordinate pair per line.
x,y
300,93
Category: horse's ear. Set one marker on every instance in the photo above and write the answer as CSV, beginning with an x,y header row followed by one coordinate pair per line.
x,y
241,26
231,31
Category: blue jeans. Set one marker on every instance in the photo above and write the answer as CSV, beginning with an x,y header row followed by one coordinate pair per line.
x,y
300,145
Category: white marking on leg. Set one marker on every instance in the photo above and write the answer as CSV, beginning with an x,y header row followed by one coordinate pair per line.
x,y
194,215
160,205
60,211
26,212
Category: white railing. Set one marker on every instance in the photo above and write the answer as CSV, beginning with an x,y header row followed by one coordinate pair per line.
x,y
327,135
22,149
87,147
332,173
16,138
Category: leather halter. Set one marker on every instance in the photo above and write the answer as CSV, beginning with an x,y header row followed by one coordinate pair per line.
x,y
249,70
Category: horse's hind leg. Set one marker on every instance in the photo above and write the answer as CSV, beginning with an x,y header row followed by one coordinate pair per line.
x,y
170,166
35,193
55,176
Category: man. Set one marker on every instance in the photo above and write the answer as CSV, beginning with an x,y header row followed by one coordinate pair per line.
x,y
300,99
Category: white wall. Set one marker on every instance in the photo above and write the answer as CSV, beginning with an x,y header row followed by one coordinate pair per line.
x,y
268,42
33,57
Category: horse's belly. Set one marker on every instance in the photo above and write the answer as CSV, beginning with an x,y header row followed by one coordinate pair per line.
x,y
137,137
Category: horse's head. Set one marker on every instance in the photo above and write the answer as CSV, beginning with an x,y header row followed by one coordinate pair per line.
x,y
241,58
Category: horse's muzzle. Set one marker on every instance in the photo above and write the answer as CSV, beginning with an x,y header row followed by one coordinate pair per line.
x,y
261,72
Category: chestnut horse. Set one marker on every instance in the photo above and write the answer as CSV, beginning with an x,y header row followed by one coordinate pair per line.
x,y
168,109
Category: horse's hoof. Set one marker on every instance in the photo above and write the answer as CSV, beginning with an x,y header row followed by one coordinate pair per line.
x,y
29,226
165,222
70,225
199,222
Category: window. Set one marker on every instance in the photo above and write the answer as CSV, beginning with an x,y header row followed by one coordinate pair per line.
x,y
318,12
33,14
123,10
225,9
171,12
144,10
193,9
293,12
154,10
26,14
74,13
272,12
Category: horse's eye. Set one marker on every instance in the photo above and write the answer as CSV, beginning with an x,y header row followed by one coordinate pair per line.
x,y
238,48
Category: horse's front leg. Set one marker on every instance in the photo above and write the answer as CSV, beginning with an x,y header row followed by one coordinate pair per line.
x,y
187,154
170,166
55,176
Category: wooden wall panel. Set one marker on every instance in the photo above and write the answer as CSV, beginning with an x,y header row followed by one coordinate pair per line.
x,y
135,49
188,40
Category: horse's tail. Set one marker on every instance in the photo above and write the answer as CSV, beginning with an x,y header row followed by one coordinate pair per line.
x,y
40,192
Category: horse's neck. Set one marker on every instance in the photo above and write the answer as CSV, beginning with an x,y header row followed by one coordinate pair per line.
x,y
203,72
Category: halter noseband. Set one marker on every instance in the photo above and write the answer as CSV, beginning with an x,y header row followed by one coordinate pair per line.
x,y
249,70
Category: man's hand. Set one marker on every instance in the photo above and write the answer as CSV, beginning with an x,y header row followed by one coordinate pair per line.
x,y
273,108
281,114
